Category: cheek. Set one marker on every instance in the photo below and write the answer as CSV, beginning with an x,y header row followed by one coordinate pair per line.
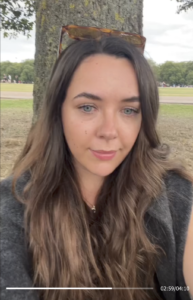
x,y
128,136
76,132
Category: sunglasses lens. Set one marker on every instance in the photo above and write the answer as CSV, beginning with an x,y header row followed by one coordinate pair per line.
x,y
87,33
132,39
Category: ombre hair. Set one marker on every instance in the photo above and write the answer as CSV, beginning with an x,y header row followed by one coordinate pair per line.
x,y
115,251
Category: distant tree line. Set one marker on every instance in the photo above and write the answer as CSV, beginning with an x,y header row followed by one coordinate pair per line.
x,y
23,72
173,73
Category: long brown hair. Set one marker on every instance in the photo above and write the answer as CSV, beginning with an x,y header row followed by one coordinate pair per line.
x,y
67,250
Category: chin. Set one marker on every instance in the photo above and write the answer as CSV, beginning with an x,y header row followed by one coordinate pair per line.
x,y
102,171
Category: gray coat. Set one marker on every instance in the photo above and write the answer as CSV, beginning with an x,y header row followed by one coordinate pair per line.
x,y
167,223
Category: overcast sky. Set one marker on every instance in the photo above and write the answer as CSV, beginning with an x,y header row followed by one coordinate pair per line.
x,y
169,35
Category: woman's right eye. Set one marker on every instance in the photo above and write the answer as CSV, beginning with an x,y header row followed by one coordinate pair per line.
x,y
86,108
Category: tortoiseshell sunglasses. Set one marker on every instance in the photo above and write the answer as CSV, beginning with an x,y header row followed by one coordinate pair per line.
x,y
81,33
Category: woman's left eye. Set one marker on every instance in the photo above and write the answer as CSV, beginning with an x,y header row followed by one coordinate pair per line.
x,y
130,111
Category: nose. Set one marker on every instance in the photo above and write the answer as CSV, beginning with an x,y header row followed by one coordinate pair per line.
x,y
107,127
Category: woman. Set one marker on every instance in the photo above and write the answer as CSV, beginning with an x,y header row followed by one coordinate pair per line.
x,y
103,204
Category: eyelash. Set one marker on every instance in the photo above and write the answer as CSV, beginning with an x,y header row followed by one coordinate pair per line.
x,y
135,111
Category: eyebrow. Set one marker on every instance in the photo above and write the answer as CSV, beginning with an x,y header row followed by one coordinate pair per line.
x,y
95,97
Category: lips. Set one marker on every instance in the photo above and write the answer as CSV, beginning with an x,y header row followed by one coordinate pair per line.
x,y
104,152
104,155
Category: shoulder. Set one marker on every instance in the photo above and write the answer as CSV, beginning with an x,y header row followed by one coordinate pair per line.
x,y
175,183
16,263
7,197
174,201
11,209
6,184
187,256
171,210
179,193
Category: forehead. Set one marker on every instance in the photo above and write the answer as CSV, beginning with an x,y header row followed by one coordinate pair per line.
x,y
104,72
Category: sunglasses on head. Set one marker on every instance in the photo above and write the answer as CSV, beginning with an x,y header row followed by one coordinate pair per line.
x,y
83,33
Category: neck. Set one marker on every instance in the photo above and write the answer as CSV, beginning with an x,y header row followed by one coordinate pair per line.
x,y
90,189
90,185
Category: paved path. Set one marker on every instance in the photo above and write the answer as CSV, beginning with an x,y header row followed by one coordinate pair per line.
x,y
16,95
25,95
179,100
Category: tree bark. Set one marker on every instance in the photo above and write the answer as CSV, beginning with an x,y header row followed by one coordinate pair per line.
x,y
123,15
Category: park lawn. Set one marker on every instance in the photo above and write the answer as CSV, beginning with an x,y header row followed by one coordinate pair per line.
x,y
16,104
176,110
13,87
176,92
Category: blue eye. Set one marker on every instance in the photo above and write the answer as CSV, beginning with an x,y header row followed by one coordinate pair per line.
x,y
86,108
129,111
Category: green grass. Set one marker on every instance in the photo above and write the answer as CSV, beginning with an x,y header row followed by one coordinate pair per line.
x,y
16,104
12,87
176,110
176,92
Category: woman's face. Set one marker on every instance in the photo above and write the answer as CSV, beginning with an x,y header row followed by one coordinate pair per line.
x,y
101,111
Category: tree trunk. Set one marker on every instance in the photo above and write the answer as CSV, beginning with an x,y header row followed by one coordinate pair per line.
x,y
123,15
